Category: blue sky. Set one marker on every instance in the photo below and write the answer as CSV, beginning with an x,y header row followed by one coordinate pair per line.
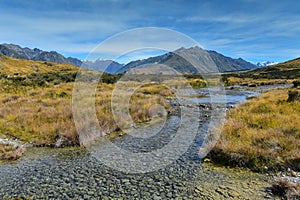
x,y
254,30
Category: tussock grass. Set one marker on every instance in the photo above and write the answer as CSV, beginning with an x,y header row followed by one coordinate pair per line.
x,y
285,189
18,67
246,81
10,152
262,132
286,70
38,115
36,103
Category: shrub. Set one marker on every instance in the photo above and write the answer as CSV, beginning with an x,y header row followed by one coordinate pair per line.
x,y
285,189
10,152
296,83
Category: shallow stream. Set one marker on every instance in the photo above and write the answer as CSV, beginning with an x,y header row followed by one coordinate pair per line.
x,y
76,173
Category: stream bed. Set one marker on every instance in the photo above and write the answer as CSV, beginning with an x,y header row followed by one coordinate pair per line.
x,y
76,173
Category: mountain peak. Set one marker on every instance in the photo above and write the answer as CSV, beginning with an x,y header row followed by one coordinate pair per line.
x,y
265,64
205,61
194,48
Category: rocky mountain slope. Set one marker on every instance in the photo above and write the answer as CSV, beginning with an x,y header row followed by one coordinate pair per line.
x,y
206,61
16,51
183,60
108,66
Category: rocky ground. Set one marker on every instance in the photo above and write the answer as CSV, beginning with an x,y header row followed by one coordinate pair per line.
x,y
229,183
75,173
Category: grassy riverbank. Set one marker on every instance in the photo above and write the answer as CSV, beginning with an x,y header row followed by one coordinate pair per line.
x,y
36,103
261,134
39,114
246,81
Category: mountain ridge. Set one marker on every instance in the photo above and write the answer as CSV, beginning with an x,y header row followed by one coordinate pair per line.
x,y
177,61
108,66
184,60
16,51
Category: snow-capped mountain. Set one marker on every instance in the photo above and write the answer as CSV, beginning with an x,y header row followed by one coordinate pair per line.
x,y
265,64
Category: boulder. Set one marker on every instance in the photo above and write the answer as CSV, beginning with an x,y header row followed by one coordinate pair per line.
x,y
294,95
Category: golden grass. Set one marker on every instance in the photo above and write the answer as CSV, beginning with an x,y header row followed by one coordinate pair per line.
x,y
10,152
251,81
262,132
14,66
38,115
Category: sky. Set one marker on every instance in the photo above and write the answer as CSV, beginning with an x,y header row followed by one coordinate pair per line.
x,y
255,30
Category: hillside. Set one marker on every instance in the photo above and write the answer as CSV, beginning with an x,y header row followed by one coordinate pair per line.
x,y
227,64
286,70
16,51
15,66
176,61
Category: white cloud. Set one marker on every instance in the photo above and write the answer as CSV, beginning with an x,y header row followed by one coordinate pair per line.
x,y
78,27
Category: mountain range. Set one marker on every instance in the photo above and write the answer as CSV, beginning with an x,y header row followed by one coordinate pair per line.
x,y
192,60
16,51
182,60
108,66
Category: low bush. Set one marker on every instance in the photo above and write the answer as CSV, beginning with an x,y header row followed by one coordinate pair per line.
x,y
10,152
285,189
296,83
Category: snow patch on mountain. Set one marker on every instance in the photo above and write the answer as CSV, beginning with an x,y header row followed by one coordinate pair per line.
x,y
265,64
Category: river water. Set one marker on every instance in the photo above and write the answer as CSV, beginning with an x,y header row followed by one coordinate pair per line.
x,y
76,173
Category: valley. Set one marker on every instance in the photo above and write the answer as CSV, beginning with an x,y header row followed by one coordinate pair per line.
x,y
37,121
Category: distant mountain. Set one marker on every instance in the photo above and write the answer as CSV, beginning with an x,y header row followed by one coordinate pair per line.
x,y
205,62
182,60
227,64
286,70
265,64
170,59
107,66
16,51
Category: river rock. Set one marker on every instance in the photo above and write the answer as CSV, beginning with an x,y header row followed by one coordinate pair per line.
x,y
234,194
252,85
63,141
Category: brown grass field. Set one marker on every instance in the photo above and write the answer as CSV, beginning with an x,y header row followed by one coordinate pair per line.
x,y
38,113
264,132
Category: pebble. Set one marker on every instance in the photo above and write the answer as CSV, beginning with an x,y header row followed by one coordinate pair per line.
x,y
233,194
293,174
